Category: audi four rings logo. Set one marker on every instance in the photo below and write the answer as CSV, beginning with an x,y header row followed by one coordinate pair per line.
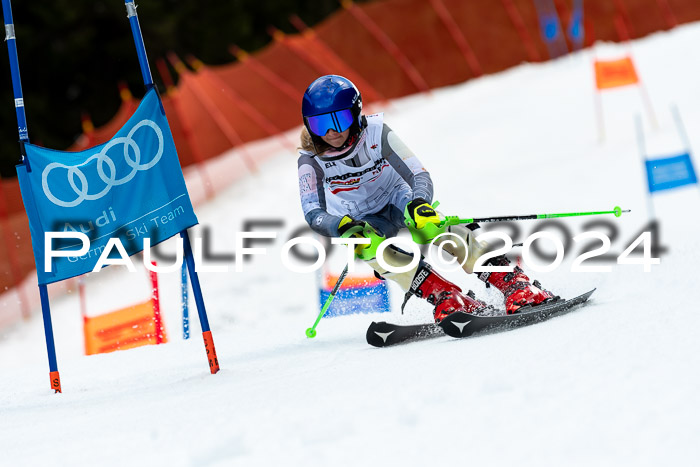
x,y
110,179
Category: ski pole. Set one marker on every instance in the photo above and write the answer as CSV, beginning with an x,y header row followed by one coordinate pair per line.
x,y
311,332
454,220
430,231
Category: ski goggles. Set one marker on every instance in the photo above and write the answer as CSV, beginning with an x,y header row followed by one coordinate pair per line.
x,y
339,121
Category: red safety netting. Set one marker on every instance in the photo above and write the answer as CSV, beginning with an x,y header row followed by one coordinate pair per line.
x,y
389,48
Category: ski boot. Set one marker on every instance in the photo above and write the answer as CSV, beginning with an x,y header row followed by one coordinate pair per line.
x,y
438,291
516,286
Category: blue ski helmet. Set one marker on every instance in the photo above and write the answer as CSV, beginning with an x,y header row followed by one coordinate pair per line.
x,y
332,102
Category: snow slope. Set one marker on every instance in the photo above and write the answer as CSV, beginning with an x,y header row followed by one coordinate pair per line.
x,y
614,383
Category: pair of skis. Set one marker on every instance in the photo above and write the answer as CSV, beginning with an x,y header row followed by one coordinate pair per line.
x,y
460,324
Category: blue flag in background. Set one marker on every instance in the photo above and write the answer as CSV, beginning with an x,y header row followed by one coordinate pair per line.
x,y
576,28
670,172
130,187
550,27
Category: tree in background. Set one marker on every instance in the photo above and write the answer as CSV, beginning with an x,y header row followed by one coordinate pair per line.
x,y
72,54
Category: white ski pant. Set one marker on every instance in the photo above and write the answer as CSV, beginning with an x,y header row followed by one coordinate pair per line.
x,y
465,249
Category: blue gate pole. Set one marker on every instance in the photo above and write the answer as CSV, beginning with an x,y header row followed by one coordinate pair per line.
x,y
194,279
199,300
14,70
185,304
138,41
24,138
48,332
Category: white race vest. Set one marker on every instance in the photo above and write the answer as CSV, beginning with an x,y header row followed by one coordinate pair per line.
x,y
358,191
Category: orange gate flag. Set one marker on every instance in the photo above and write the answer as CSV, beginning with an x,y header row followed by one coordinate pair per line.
x,y
615,73
124,329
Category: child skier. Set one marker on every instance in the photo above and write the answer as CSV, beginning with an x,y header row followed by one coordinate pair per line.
x,y
355,172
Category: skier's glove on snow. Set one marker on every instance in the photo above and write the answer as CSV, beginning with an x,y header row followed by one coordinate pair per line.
x,y
422,213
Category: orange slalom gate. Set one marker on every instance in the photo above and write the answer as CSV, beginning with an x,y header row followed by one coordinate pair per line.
x,y
615,73
124,329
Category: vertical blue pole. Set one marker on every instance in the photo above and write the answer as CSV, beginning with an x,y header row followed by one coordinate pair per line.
x,y
138,41
185,304
14,70
199,300
680,127
194,279
641,146
576,28
189,258
551,28
683,134
48,332
24,138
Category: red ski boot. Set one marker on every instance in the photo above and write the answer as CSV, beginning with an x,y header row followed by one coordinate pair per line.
x,y
516,287
445,295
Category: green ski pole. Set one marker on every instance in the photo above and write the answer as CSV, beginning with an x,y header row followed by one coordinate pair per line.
x,y
311,332
430,231
454,220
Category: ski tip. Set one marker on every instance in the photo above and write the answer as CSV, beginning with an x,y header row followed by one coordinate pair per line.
x,y
457,324
374,334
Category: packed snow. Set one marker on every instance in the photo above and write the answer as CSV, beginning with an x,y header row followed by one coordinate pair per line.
x,y
613,383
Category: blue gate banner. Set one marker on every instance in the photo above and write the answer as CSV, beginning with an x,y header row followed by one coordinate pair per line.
x,y
129,188
372,298
670,172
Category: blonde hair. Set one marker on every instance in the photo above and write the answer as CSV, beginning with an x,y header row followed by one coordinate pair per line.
x,y
308,145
